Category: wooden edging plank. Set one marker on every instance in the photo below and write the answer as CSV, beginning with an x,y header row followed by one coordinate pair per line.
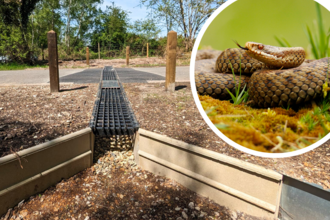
x,y
236,184
213,155
43,166
213,183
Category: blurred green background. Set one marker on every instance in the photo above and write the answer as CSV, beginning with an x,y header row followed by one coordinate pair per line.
x,y
262,20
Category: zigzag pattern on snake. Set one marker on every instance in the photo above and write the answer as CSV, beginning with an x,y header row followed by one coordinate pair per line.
x,y
267,87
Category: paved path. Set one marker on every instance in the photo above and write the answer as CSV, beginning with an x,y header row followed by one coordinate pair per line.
x,y
79,76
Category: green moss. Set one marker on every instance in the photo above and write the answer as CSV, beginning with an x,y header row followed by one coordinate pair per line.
x,y
268,130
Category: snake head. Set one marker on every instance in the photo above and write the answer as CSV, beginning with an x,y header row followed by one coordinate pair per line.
x,y
275,56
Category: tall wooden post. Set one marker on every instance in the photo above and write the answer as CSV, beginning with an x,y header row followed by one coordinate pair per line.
x,y
53,62
147,50
127,55
87,56
171,61
98,44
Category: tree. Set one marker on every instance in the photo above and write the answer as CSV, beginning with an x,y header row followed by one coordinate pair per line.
x,y
187,16
147,29
82,14
41,23
14,21
110,28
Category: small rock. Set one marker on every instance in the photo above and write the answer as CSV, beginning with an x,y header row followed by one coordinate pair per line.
x,y
20,204
197,208
191,205
177,208
23,213
216,214
184,215
233,215
202,215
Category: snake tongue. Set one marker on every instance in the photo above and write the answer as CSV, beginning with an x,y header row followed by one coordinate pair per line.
x,y
244,48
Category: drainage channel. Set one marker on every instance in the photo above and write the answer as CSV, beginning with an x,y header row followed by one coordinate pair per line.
x,y
112,113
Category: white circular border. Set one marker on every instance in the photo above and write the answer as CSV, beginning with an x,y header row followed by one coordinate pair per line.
x,y
324,3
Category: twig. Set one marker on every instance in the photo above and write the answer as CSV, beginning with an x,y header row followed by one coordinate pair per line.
x,y
18,157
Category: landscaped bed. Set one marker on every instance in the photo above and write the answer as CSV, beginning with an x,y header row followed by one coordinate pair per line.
x,y
123,190
172,114
31,115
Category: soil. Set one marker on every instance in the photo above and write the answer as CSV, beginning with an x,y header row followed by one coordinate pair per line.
x,y
38,116
133,62
31,115
116,188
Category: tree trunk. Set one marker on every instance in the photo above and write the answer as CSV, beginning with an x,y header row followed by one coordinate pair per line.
x,y
67,33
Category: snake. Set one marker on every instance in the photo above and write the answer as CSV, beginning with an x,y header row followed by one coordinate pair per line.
x,y
273,76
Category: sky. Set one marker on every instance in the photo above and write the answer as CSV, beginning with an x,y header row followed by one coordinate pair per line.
x,y
136,12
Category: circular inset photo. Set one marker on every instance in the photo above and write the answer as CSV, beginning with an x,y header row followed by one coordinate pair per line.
x,y
260,75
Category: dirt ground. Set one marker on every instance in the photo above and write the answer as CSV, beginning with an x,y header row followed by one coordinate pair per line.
x,y
31,115
133,62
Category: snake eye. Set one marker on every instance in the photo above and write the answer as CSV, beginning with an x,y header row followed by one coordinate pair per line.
x,y
260,47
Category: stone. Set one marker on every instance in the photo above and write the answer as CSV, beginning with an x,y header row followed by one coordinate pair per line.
x,y
184,215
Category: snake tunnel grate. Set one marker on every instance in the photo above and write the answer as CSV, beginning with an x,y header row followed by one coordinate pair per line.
x,y
112,113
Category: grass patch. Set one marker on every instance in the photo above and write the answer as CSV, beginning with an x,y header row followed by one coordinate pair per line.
x,y
16,66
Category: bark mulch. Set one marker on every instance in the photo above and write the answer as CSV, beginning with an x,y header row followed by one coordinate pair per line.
x,y
114,187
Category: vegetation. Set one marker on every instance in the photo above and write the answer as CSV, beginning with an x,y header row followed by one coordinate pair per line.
x,y
240,94
80,23
319,45
17,66
186,16
275,130
319,41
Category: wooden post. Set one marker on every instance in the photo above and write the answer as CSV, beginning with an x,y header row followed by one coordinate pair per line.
x,y
171,61
99,50
54,79
87,56
127,55
147,50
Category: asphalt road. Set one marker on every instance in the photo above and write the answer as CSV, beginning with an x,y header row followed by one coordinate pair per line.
x,y
80,76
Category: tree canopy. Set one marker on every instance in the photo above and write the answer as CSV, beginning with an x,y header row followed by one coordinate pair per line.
x,y
79,23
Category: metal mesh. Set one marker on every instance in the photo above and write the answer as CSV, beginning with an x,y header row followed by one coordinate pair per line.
x,y
112,113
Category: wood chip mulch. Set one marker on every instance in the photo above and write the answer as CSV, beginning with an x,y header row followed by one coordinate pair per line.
x,y
31,115
114,187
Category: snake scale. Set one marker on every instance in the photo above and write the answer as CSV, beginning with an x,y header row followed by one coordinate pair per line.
x,y
275,76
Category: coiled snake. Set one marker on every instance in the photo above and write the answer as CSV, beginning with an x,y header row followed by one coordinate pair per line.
x,y
279,76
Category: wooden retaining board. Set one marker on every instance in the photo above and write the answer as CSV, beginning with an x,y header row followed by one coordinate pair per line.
x,y
228,181
43,166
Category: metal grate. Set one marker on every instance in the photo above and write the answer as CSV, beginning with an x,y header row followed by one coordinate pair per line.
x,y
112,113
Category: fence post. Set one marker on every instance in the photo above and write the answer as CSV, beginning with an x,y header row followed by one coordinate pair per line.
x,y
87,56
98,44
54,79
127,55
147,50
171,61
